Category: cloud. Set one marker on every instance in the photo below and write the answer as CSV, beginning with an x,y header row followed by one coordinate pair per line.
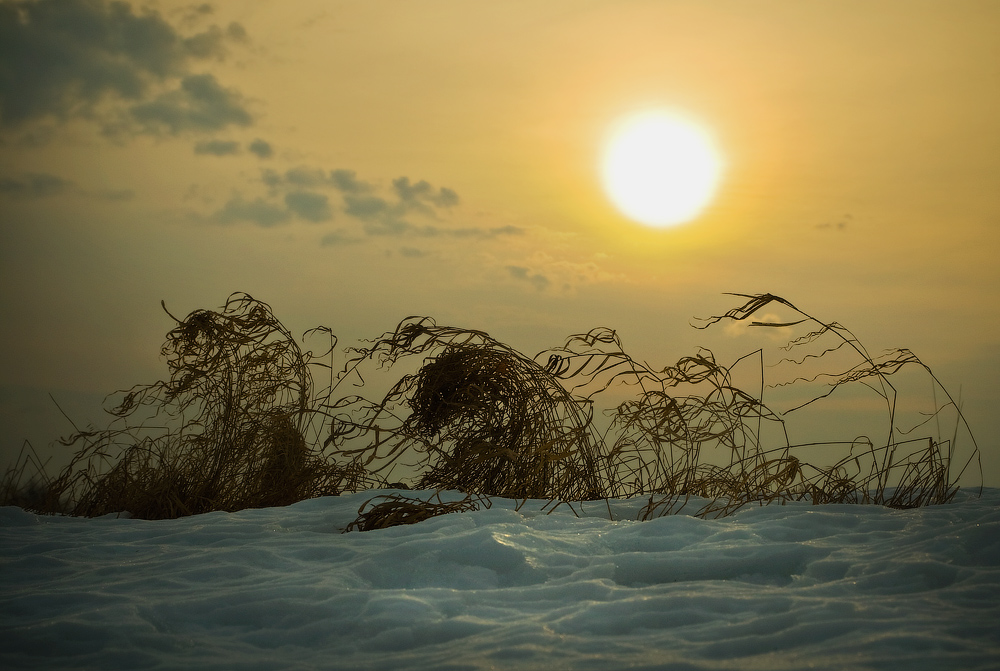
x,y
412,252
217,147
839,224
309,206
339,237
483,233
200,104
34,185
381,212
416,195
257,211
311,177
270,177
116,194
347,181
383,216
523,274
61,59
261,148
366,208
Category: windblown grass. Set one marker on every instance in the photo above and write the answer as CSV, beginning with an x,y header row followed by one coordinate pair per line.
x,y
226,431
481,418
239,424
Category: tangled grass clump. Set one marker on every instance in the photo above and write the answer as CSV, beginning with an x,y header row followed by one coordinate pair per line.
x,y
239,424
482,418
226,431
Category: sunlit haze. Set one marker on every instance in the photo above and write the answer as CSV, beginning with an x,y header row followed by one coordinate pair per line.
x,y
358,162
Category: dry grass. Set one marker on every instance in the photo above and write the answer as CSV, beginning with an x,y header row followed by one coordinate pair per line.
x,y
396,510
239,424
481,418
226,431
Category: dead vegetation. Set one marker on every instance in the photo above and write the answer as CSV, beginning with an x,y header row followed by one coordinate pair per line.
x,y
238,424
228,429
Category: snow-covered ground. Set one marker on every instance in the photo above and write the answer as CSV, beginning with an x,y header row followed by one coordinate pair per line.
x,y
779,587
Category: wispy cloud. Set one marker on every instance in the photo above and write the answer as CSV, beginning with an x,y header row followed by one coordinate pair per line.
x,y
310,206
838,224
340,237
418,195
412,252
38,185
261,148
257,211
346,181
129,72
217,147
34,185
200,104
522,274
406,209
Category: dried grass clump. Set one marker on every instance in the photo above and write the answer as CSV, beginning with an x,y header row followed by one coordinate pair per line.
x,y
672,433
482,418
225,432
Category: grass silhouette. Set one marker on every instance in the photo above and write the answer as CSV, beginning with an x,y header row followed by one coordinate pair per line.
x,y
240,424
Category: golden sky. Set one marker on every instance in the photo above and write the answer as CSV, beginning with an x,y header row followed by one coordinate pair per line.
x,y
355,162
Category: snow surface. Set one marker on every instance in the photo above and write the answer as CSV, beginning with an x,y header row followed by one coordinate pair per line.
x,y
778,587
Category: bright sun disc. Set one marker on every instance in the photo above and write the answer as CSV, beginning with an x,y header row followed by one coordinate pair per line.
x,y
660,170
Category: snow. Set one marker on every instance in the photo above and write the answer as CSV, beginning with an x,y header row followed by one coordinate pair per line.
x,y
779,587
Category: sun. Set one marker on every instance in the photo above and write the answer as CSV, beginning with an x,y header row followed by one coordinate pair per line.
x,y
660,169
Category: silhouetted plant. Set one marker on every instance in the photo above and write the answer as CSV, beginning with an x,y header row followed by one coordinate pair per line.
x,y
224,432
238,424
482,418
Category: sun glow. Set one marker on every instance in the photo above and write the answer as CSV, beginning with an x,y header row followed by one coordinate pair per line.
x,y
660,169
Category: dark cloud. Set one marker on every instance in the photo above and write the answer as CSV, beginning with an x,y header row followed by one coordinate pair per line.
x,y
217,147
366,208
261,148
310,177
347,181
380,214
305,205
389,226
309,206
34,185
270,177
523,274
206,44
200,104
237,32
389,217
415,196
258,211
412,252
60,58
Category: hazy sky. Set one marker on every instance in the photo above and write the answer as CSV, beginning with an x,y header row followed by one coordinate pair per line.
x,y
352,163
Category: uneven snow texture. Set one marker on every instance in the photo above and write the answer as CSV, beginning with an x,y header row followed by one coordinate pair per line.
x,y
778,587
